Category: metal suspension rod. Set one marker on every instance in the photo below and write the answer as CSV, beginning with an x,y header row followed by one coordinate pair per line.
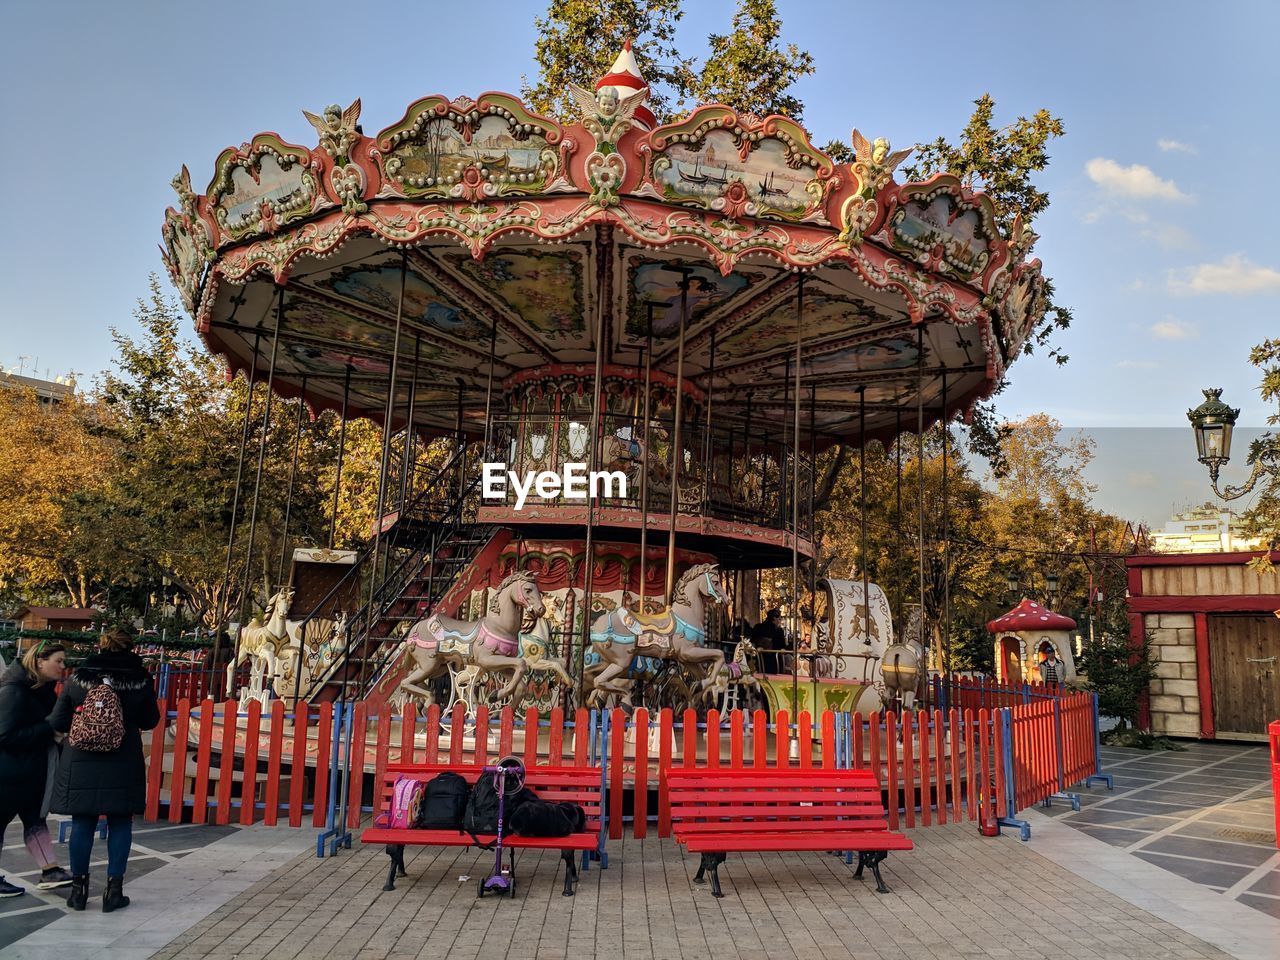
x,y
677,455
920,483
795,505
862,515
708,451
257,482
604,255
644,453
342,450
946,537
235,496
293,471
897,526
488,390
813,524
406,462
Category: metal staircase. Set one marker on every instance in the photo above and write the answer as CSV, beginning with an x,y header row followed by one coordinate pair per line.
x,y
404,573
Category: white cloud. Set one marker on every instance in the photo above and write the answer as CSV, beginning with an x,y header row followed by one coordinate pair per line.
x,y
1171,328
1134,181
1137,364
1137,285
1169,236
1175,146
1234,275
1141,479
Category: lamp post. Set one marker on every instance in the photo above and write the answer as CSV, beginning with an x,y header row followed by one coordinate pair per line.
x,y
1212,423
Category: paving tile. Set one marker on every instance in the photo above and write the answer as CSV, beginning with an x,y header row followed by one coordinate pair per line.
x,y
1209,874
1268,905
1211,850
1268,883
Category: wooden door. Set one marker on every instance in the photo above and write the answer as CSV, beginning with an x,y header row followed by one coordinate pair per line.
x,y
1244,655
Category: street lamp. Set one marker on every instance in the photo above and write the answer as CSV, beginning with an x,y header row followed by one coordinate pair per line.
x,y
1212,423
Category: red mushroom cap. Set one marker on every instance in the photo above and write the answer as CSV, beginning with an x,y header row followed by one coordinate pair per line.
x,y
1029,615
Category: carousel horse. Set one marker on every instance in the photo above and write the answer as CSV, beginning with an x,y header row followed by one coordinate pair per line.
x,y
902,663
739,676
491,644
677,633
314,645
261,643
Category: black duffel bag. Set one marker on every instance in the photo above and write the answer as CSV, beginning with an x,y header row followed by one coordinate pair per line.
x,y
546,818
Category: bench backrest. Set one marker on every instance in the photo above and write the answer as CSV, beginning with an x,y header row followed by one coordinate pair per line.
x,y
580,785
799,796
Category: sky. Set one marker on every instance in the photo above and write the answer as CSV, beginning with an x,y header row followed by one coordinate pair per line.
x,y
1159,235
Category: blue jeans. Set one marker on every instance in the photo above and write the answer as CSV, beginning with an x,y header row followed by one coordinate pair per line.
x,y
119,840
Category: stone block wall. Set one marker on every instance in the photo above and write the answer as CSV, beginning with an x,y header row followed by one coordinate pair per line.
x,y
1175,699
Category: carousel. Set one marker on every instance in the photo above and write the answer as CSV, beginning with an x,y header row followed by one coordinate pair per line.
x,y
690,313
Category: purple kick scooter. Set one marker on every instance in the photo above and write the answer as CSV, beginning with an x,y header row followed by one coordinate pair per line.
x,y
508,775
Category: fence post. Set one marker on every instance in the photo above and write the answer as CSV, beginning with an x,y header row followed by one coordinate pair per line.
x,y
1097,774
1061,792
1004,730
332,827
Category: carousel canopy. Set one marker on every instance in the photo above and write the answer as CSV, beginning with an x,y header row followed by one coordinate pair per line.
x,y
1029,616
476,226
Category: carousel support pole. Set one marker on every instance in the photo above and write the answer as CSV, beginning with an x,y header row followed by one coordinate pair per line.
x,y
708,449
488,390
795,505
782,447
920,489
257,482
293,471
388,412
897,527
406,463
677,455
235,497
604,258
813,525
342,449
462,446
644,452
862,515
946,538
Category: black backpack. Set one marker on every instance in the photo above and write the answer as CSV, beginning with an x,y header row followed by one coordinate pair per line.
x,y
546,818
482,806
443,802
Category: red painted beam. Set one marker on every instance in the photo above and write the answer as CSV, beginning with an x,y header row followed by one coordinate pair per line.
x,y
1237,603
1204,677
1196,559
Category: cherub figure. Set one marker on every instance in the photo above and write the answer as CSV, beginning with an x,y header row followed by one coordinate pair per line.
x,y
877,160
605,114
337,129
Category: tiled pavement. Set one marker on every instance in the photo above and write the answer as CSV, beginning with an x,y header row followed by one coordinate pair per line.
x,y
154,845
1204,813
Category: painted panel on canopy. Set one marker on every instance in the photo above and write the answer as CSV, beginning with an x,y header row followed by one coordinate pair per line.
x,y
702,172
925,223
888,353
289,186
432,160
827,313
320,320
378,286
542,287
653,280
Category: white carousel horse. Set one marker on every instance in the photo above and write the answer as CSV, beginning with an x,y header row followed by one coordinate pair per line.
x,y
619,637
491,644
261,644
739,676
902,662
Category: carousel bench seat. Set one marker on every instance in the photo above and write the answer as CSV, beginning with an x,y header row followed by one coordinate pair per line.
x,y
716,812
581,785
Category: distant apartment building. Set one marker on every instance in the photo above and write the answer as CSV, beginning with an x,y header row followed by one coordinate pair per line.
x,y
48,392
1203,529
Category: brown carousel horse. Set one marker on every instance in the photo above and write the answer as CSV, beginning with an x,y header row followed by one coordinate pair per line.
x,y
623,640
489,645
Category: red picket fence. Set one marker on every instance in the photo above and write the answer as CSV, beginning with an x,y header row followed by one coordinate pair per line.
x,y
978,693
212,765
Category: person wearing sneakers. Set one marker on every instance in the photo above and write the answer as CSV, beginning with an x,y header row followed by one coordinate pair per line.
x,y
28,756
103,708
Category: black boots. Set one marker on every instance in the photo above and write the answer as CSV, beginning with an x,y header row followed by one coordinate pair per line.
x,y
79,895
113,897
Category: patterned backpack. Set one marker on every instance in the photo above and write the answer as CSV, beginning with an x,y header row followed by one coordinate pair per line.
x,y
98,725
406,798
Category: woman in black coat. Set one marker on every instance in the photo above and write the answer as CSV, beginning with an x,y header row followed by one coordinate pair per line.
x,y
26,746
113,784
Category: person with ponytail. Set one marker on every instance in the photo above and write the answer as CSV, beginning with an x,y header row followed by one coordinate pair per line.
x,y
28,756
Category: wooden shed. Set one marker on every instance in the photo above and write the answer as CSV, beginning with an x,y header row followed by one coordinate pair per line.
x,y
1213,626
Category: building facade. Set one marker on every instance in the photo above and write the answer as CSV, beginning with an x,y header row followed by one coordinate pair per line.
x,y
1203,529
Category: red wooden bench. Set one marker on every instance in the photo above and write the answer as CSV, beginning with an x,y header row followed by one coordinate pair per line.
x,y
715,812
581,785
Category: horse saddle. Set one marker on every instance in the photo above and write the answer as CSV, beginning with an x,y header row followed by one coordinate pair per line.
x,y
656,629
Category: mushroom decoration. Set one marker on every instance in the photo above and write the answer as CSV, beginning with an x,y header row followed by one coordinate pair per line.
x,y
1025,635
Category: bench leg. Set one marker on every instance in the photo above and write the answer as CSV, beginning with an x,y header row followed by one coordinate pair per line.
x,y
710,861
872,858
396,852
570,872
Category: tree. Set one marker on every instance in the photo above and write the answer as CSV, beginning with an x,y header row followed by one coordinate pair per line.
x,y
1120,672
579,39
1263,517
748,70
